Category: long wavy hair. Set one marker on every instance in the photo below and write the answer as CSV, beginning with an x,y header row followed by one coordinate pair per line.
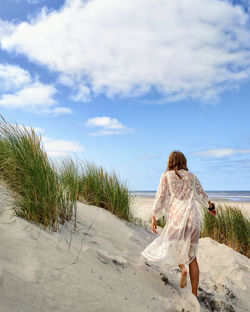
x,y
177,161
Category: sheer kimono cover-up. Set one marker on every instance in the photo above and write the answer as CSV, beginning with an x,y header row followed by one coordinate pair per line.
x,y
176,200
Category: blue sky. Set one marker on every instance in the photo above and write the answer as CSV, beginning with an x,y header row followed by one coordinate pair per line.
x,y
123,83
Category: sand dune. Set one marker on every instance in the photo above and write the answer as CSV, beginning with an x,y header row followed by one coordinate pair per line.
x,y
97,267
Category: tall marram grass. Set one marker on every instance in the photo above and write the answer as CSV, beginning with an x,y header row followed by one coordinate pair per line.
x,y
230,227
26,169
46,192
68,176
103,189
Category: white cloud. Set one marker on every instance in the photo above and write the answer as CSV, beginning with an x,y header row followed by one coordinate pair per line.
x,y
222,152
82,94
66,80
31,96
106,122
6,28
56,148
58,110
19,90
108,126
13,77
180,48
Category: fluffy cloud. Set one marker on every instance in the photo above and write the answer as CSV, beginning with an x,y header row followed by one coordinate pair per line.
x,y
57,148
179,48
19,90
6,28
106,122
82,94
107,126
222,152
30,96
13,77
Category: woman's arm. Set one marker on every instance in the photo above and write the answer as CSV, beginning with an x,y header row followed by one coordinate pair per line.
x,y
202,198
160,197
200,194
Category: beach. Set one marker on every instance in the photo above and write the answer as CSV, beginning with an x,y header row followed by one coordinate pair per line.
x,y
108,108
98,267
142,206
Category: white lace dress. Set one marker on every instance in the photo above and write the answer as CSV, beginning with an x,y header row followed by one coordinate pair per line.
x,y
175,199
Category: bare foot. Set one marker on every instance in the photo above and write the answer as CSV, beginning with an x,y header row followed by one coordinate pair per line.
x,y
183,279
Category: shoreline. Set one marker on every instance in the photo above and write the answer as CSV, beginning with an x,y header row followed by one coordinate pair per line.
x,y
142,206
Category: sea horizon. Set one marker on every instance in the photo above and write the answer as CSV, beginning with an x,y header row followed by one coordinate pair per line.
x,y
242,196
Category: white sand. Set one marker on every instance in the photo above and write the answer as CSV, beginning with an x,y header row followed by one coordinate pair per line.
x,y
98,268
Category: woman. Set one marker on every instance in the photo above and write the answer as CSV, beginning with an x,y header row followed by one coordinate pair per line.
x,y
175,198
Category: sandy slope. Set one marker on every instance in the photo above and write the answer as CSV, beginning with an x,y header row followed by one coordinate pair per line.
x,y
98,267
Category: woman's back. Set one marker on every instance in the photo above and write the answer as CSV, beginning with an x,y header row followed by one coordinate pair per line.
x,y
181,187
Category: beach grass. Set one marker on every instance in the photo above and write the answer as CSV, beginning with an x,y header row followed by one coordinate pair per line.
x,y
68,177
103,189
230,227
46,191
27,171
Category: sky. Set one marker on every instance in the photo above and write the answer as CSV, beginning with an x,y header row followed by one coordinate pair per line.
x,y
124,83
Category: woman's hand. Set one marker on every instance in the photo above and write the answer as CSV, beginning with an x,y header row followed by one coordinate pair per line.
x,y
154,225
212,212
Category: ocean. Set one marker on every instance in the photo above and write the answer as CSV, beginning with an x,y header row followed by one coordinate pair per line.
x,y
241,196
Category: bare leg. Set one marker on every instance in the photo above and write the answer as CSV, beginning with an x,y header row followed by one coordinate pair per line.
x,y
194,275
183,279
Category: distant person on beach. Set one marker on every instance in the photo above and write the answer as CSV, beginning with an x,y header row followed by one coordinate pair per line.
x,y
175,199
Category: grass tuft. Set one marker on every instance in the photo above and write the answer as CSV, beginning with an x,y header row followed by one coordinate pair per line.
x,y
68,177
26,169
230,227
103,189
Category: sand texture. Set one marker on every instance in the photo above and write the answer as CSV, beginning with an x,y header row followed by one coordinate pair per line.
x,y
97,267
